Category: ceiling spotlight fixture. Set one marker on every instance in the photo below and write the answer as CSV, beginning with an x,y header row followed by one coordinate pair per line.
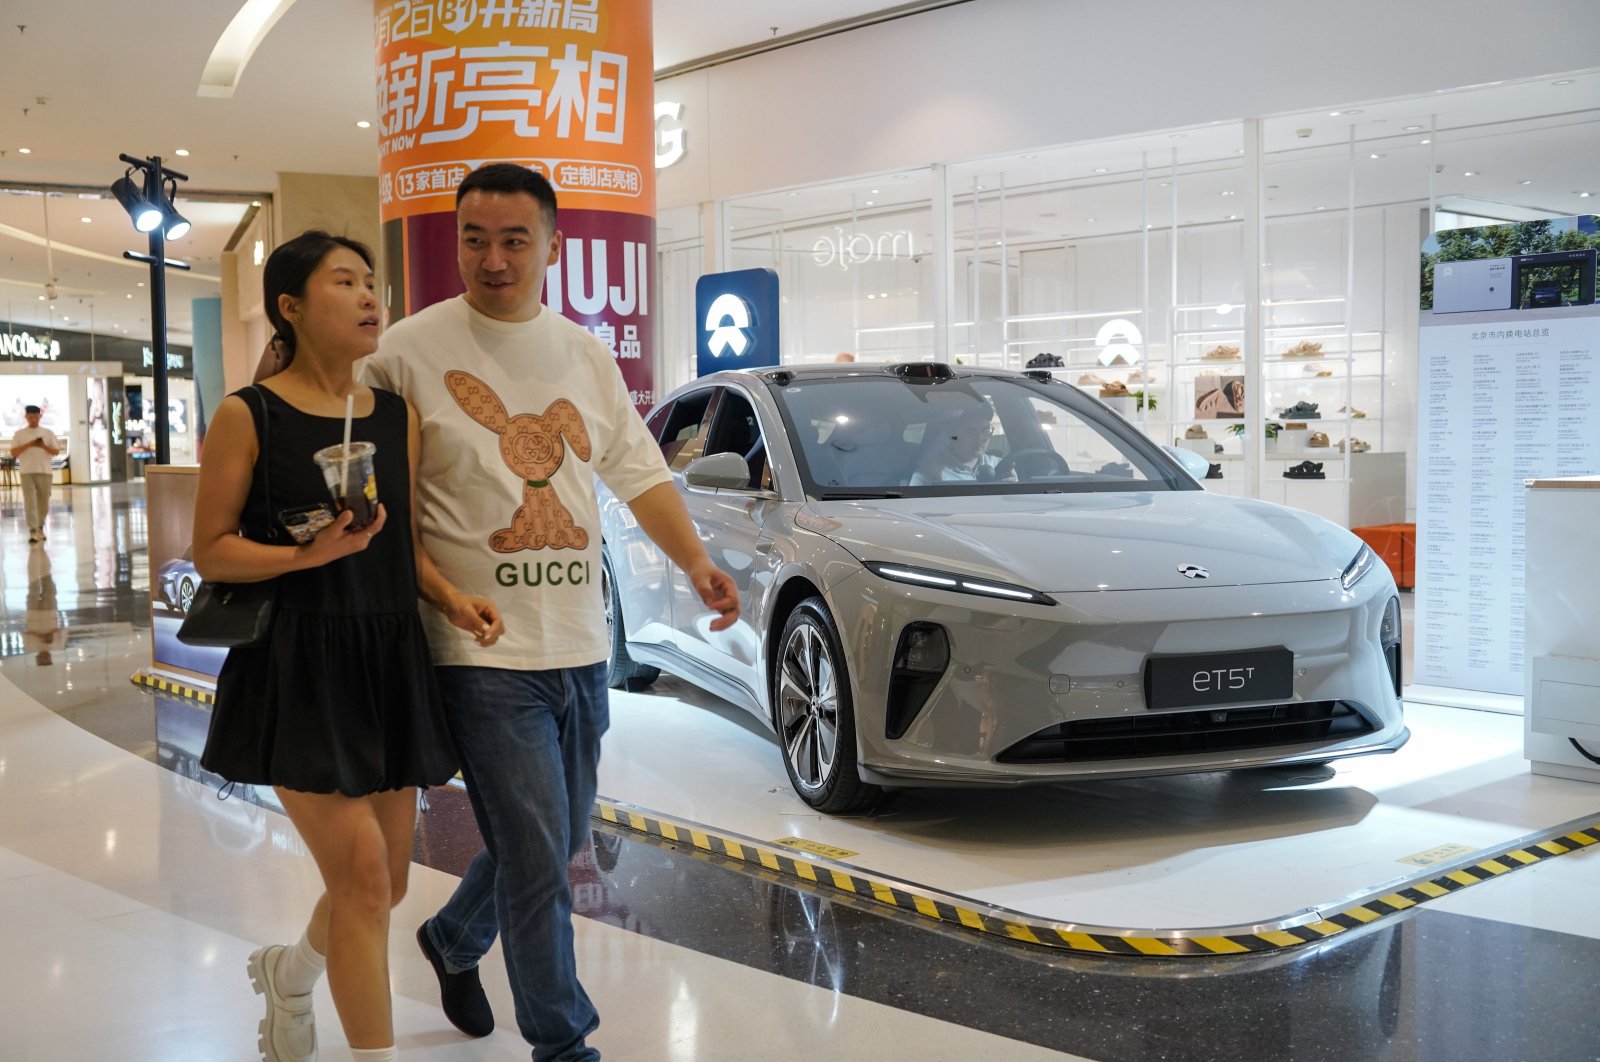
x,y
137,202
1322,208
1225,194
255,202
1563,81
1089,220
363,124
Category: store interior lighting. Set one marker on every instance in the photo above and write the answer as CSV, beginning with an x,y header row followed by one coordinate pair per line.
x,y
146,215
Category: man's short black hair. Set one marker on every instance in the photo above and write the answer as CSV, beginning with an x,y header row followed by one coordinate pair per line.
x,y
32,409
509,178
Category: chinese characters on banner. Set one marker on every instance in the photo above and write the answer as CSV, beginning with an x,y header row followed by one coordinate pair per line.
x,y
564,87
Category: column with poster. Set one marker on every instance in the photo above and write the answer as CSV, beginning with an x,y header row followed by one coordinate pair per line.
x,y
564,87
1508,391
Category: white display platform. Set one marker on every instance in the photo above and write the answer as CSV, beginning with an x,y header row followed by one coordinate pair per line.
x,y
1169,853
1563,627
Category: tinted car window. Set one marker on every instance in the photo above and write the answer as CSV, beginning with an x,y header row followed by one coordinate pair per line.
x,y
965,435
658,420
684,435
737,431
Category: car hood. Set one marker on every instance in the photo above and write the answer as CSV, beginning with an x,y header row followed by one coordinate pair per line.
x,y
1064,543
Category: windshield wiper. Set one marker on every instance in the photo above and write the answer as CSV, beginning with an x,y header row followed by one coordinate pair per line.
x,y
856,495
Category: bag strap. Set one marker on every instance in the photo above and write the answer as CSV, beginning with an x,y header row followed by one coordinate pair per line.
x,y
266,461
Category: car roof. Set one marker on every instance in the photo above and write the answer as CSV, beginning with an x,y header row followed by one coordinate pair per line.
x,y
918,370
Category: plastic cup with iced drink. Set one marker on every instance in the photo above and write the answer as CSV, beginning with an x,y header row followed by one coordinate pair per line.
x,y
348,471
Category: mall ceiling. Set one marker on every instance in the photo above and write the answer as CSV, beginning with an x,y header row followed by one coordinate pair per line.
x,y
82,82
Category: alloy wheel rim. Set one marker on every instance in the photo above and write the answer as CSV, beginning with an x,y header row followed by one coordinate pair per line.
x,y
808,699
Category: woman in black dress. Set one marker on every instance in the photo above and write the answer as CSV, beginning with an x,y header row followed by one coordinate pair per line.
x,y
339,710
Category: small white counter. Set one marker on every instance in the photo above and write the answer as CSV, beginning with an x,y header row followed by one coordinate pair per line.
x,y
1561,584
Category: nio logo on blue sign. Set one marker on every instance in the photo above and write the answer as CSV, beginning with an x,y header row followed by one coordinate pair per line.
x,y
728,321
736,315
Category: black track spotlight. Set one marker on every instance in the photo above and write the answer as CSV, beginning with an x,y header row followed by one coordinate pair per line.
x,y
177,225
146,215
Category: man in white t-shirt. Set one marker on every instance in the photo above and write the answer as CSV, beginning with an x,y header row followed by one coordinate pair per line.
x,y
521,409
33,447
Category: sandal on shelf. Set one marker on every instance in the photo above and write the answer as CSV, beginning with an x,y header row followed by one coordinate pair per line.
x,y
1213,470
1305,470
1318,438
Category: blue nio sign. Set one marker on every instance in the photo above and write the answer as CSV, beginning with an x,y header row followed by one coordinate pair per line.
x,y
736,318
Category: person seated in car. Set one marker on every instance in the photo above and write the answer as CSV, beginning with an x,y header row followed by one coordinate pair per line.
x,y
963,457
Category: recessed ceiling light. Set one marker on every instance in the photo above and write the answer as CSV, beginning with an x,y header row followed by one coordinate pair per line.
x,y
1427,140
870,202
1227,193
1180,136
1089,220
1563,81
129,295
41,298
870,295
24,151
1469,173
1375,155
182,153
1333,114
1584,195
1099,169
255,202
1353,110
363,124
140,284
1233,217
1524,182
1322,208
1413,128
86,220
873,192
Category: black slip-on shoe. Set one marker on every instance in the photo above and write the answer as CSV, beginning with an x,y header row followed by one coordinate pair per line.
x,y
460,994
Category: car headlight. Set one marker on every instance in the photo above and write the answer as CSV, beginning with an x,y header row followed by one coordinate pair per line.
x,y
1364,562
961,584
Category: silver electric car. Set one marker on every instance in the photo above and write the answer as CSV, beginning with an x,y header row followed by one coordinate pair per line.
x,y
958,576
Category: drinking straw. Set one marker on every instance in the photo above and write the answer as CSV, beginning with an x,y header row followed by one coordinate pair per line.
x,y
349,411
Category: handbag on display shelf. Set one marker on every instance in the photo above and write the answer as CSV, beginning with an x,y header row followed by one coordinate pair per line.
x,y
235,615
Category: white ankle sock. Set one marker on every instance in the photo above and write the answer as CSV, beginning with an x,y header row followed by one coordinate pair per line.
x,y
299,966
375,1054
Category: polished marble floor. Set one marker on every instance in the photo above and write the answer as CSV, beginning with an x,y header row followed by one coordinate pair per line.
x,y
131,894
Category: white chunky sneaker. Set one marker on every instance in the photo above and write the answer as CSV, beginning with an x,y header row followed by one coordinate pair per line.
x,y
289,1031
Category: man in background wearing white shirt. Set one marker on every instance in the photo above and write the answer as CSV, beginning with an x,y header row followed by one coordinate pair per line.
x,y
33,447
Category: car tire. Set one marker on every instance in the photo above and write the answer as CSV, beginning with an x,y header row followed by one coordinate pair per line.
x,y
624,672
185,596
812,709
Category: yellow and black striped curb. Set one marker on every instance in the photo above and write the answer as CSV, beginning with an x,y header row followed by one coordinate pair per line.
x,y
172,686
1292,931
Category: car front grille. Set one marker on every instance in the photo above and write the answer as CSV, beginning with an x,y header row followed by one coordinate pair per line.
x,y
1156,734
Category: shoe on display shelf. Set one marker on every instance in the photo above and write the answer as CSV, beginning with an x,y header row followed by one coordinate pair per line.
x,y
1306,348
1357,446
1213,470
1222,352
1318,438
1114,389
1305,470
1355,414
1301,410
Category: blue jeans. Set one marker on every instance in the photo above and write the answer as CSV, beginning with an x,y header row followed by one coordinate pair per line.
x,y
530,747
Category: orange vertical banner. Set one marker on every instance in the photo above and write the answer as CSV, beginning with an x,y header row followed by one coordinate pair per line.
x,y
564,87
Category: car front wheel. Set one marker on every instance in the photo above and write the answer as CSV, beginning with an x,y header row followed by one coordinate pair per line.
x,y
185,596
815,713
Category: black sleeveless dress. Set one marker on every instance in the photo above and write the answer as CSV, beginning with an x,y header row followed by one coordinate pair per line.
x,y
342,698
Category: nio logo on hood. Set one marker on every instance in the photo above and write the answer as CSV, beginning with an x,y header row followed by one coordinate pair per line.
x,y
1193,571
732,335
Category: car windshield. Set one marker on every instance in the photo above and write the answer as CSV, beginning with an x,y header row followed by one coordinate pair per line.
x,y
883,436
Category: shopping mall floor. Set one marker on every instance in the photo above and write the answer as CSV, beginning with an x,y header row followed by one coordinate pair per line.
x,y
949,925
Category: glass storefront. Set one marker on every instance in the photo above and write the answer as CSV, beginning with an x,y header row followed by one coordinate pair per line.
x,y
1247,289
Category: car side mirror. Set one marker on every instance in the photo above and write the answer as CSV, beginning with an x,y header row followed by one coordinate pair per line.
x,y
725,471
1192,463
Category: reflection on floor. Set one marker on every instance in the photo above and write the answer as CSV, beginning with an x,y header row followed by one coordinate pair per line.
x,y
132,894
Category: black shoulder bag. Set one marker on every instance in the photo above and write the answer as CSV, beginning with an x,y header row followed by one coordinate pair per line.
x,y
236,615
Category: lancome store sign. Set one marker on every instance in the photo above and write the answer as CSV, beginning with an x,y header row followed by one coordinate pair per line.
x,y
23,345
19,345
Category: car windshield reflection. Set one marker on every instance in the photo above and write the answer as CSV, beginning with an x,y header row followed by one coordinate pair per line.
x,y
884,437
